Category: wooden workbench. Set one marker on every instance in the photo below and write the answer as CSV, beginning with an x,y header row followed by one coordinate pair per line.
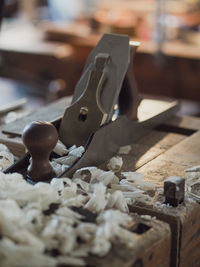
x,y
173,238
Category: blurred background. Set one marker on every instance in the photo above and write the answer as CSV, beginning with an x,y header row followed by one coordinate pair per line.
x,y
45,43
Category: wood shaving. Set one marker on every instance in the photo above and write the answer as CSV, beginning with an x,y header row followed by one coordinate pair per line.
x,y
192,181
38,221
125,149
60,149
115,164
13,116
61,164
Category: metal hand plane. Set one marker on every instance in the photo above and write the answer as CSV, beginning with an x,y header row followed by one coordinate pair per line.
x,y
106,112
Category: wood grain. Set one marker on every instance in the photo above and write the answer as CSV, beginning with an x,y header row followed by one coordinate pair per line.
x,y
184,219
148,148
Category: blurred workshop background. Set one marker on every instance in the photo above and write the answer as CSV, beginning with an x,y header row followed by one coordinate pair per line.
x,y
45,43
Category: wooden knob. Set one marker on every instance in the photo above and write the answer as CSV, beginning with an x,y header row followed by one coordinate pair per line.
x,y
40,138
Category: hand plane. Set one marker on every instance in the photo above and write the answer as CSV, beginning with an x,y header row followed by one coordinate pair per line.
x,y
105,112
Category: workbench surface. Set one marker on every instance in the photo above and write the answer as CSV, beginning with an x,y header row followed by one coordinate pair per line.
x,y
173,238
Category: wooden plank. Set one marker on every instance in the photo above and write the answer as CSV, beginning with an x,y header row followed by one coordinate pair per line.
x,y
184,219
48,113
148,148
187,122
175,160
172,220
185,224
190,238
12,106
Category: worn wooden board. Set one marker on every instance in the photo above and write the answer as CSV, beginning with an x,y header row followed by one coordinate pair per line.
x,y
148,148
187,122
185,224
159,155
175,160
49,113
184,219
190,236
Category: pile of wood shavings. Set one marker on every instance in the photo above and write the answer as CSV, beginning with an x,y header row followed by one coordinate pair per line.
x,y
65,221
68,157
193,182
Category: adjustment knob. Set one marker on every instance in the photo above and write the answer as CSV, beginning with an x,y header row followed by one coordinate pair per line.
x,y
40,138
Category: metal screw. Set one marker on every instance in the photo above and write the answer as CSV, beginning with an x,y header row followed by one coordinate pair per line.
x,y
83,110
83,113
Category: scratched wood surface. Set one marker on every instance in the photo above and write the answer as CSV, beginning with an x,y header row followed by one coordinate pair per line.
x,y
174,162
164,155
